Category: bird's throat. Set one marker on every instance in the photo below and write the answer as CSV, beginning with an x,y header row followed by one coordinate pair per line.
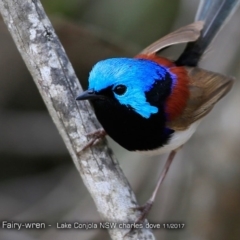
x,y
131,130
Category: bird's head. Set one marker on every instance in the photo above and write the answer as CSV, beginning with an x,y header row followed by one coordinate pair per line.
x,y
139,85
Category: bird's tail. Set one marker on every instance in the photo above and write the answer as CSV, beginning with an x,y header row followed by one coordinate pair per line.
x,y
214,13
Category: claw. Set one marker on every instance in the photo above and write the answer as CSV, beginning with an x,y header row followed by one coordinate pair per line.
x,y
96,137
98,133
145,209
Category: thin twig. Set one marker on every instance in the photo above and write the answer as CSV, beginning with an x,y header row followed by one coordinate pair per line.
x,y
54,76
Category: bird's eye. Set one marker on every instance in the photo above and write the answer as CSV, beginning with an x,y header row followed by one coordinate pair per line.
x,y
120,89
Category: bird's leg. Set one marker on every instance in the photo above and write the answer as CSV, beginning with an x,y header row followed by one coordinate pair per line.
x,y
148,205
96,137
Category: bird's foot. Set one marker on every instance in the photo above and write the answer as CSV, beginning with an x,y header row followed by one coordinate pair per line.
x,y
96,137
144,209
148,205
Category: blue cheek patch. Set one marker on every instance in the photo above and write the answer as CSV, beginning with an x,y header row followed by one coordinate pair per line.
x,y
137,100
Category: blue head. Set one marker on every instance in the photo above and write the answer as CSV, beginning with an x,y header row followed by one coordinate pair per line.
x,y
129,80
128,96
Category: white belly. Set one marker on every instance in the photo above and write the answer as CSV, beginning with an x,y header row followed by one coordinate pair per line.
x,y
177,140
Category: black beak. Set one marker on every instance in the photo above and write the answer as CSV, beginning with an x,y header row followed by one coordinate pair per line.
x,y
89,94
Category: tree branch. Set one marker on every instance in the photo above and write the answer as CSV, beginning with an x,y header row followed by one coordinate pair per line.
x,y
54,76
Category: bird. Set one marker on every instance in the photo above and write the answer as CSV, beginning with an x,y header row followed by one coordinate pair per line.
x,y
151,104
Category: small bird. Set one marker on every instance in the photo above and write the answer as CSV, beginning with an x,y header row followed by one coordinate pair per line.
x,y
152,104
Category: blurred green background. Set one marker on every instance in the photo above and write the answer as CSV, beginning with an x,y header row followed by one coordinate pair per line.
x,y
38,181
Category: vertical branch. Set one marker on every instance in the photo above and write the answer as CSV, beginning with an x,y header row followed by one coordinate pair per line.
x,y
54,76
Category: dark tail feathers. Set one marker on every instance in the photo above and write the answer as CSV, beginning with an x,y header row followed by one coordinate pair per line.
x,y
214,13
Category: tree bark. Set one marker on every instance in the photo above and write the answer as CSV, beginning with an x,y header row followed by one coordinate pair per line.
x,y
58,85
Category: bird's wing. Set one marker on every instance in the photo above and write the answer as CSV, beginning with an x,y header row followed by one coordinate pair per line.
x,y
206,88
189,33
